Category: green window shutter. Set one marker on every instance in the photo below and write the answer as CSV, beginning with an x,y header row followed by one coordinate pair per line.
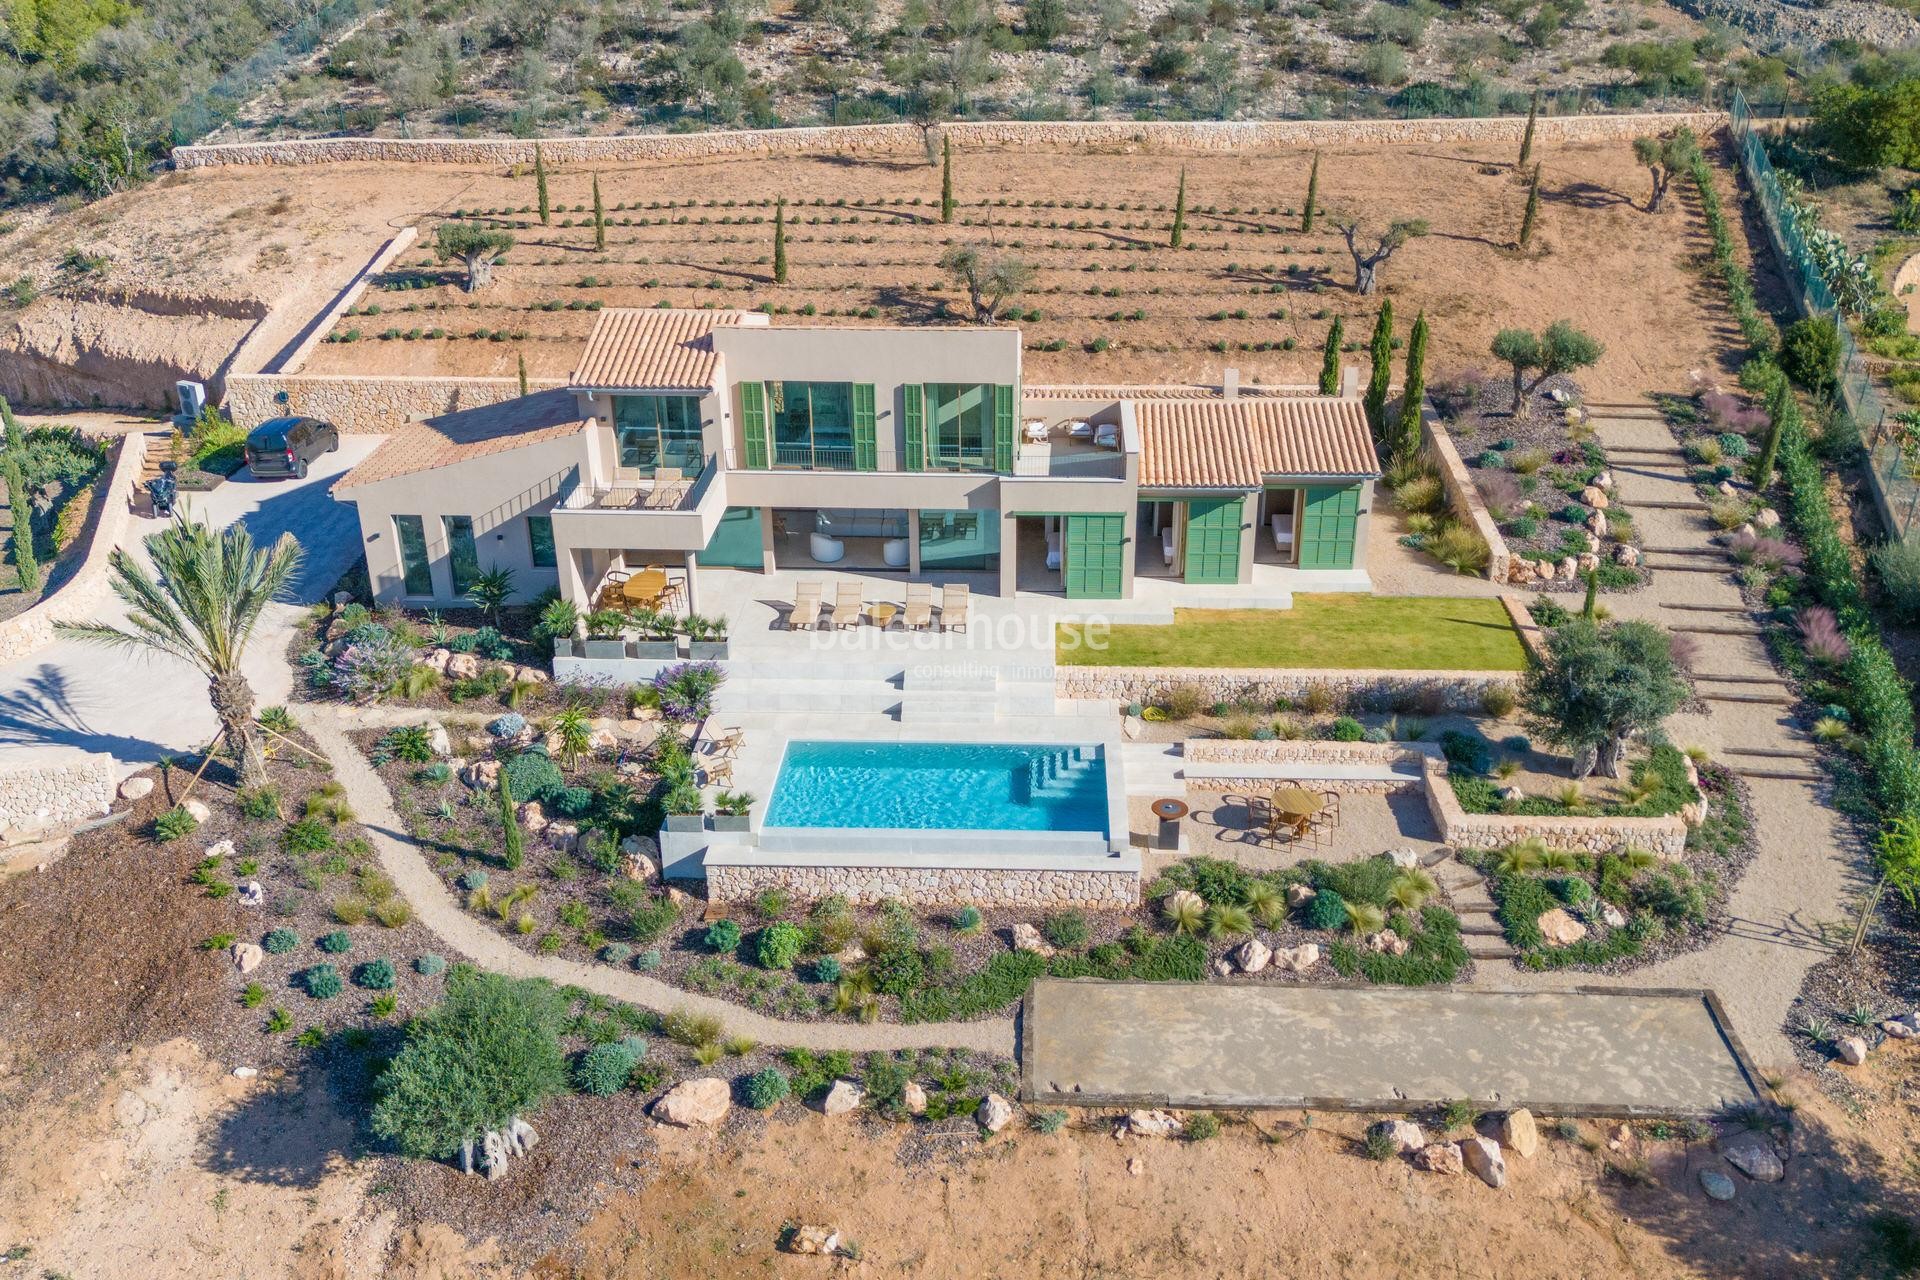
x,y
865,448
1003,429
1094,547
753,422
1328,523
913,419
1213,539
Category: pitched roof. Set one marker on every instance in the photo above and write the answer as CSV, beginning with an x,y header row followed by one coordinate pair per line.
x,y
1234,444
466,434
655,347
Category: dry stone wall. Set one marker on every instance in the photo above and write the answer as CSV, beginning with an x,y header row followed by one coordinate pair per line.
x,y
69,787
1200,136
1445,690
80,595
932,886
364,405
1464,497
1665,836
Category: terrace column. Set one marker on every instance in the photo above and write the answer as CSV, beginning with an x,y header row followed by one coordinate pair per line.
x,y
693,598
1249,534
767,558
1009,555
913,542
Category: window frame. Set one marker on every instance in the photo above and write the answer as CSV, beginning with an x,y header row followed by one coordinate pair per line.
x,y
426,556
552,560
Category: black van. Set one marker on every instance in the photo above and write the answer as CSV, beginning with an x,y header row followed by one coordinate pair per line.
x,y
284,446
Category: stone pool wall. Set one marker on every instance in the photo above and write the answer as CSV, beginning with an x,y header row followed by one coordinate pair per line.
x,y
957,886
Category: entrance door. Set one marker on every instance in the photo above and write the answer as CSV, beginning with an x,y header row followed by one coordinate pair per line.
x,y
1213,539
1327,526
1095,545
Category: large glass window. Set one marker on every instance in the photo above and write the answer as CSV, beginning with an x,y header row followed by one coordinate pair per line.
x,y
960,425
959,539
415,571
658,431
540,541
462,556
812,424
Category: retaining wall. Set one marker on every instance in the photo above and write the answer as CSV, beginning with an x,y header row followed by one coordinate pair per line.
x,y
66,787
1464,497
1665,836
364,404
930,886
89,586
319,329
1446,690
1199,136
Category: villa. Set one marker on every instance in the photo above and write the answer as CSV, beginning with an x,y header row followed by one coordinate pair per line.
x,y
690,441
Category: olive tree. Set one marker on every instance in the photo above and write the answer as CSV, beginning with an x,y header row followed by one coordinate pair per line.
x,y
476,247
1367,261
992,279
1665,156
1598,687
1559,348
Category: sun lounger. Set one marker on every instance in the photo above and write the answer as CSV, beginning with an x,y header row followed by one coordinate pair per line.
x,y
919,612
806,606
848,605
953,607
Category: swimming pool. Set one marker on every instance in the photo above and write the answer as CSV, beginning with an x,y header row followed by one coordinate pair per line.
x,y
941,786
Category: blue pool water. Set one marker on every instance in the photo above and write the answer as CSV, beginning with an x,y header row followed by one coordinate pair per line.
x,y
949,786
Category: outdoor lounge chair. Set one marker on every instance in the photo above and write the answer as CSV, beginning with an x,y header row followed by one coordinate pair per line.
x,y
919,611
849,604
953,607
806,606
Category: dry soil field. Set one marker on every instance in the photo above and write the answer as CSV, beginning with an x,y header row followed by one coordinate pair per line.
x,y
1111,302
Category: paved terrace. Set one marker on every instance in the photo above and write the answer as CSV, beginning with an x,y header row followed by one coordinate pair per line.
x,y
1568,1053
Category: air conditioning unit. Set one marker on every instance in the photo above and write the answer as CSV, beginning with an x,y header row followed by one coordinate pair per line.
x,y
193,400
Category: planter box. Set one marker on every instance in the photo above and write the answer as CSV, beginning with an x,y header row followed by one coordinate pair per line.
x,y
657,649
686,822
563,646
615,649
732,822
707,650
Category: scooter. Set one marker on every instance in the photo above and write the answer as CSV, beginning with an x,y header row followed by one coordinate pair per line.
x,y
163,489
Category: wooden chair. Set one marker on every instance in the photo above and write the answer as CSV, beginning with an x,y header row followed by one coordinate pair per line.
x,y
806,606
719,772
849,605
919,611
954,600
725,742
1331,805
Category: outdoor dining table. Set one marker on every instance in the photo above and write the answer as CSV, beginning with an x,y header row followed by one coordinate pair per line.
x,y
1296,802
645,587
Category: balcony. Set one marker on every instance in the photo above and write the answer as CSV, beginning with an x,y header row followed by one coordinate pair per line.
x,y
812,457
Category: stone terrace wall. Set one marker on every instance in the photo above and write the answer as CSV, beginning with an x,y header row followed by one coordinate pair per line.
x,y
869,886
1164,135
1664,836
65,787
82,593
356,289
1455,690
1223,752
1463,496
364,405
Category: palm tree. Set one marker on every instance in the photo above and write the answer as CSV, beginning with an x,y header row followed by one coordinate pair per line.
x,y
202,609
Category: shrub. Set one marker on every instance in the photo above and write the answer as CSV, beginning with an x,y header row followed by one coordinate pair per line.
x,y
1422,494
280,941
1469,752
429,964
1810,352
1184,701
1498,700
412,743
1897,563
1326,910
1202,1125
309,835
967,920
335,943
1820,636
1068,929
604,1069
779,945
722,936
826,969
259,804
173,824
322,982
375,975
767,1088
1346,729
693,1030
533,775
653,917
1459,548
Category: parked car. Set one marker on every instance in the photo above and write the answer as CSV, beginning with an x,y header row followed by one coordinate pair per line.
x,y
285,446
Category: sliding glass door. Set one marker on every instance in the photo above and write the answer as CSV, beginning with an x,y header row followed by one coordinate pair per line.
x,y
812,425
658,431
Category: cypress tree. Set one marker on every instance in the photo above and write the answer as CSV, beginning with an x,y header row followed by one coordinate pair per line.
x,y
946,178
599,218
1313,194
1330,359
1526,139
540,183
1593,594
1779,406
523,372
1415,388
1382,348
16,438
780,241
1179,212
513,849
25,564
1532,214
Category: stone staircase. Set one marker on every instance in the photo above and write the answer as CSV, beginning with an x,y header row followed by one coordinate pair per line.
x,y
1467,888
916,695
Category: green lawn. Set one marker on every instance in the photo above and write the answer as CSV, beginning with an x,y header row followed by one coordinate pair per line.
x,y
1430,633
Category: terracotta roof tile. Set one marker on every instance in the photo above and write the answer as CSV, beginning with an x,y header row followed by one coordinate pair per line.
x,y
1233,444
654,348
470,433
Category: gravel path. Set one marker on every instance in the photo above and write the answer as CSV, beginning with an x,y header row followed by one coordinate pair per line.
x,y
469,938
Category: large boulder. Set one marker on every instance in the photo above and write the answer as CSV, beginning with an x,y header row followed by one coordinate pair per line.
x,y
1439,1157
1626,554
1559,928
532,817
1298,959
1518,1133
1405,859
1716,1184
1482,1156
482,775
199,812
820,1241
1405,1135
563,836
913,1098
695,1104
845,1096
1299,895
1027,938
1852,1049
246,956
1253,955
1153,1124
994,1113
438,739
462,666
137,788
437,660
1754,1155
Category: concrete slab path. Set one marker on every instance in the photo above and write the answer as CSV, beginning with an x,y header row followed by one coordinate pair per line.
x,y
1585,1052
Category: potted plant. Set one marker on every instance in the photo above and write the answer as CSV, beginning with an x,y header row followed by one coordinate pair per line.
x,y
706,638
732,811
603,634
655,636
686,811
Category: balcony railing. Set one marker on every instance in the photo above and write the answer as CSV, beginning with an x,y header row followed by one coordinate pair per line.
x,y
813,457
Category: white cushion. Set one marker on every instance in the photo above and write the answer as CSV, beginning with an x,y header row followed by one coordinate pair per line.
x,y
825,550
